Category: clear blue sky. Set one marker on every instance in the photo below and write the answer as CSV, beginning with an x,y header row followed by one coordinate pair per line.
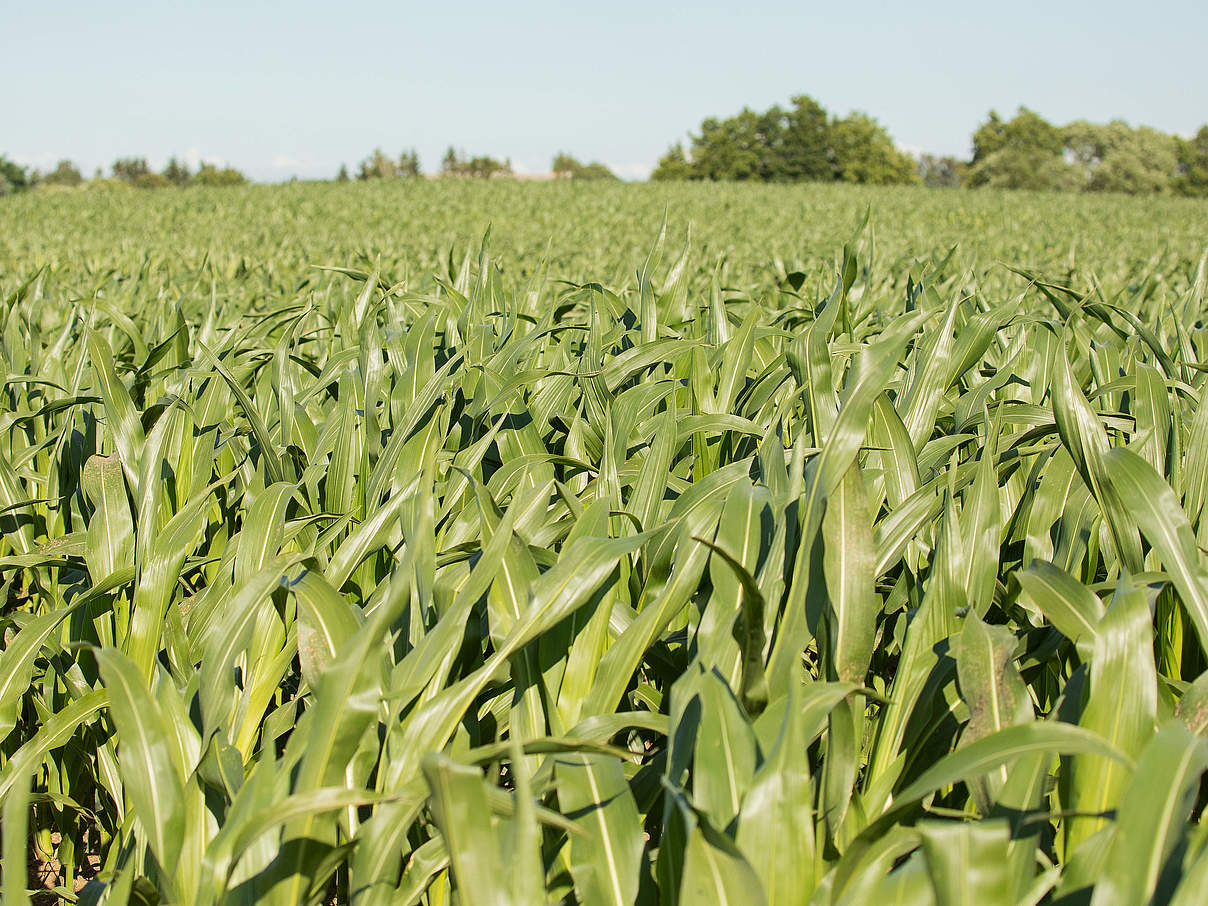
x,y
282,89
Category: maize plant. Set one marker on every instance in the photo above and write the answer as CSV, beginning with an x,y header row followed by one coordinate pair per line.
x,y
707,579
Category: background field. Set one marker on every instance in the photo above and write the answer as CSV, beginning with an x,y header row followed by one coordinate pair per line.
x,y
352,555
599,233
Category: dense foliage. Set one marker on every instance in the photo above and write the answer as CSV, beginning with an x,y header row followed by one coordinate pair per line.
x,y
136,172
1193,165
1026,152
13,177
380,166
802,143
780,564
64,174
458,164
565,166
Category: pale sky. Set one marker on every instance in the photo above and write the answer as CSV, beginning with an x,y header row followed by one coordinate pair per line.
x,y
296,89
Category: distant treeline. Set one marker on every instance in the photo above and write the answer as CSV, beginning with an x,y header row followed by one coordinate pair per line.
x,y
134,171
805,143
801,143
131,171
380,165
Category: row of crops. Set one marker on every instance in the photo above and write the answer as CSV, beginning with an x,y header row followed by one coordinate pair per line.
x,y
870,573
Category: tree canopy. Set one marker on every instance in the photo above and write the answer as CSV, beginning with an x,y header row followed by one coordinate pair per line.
x,y
864,153
801,143
805,143
64,174
13,177
212,175
1028,152
456,164
176,172
674,165
379,165
1193,165
567,167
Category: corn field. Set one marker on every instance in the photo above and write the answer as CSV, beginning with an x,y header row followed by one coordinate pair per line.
x,y
602,563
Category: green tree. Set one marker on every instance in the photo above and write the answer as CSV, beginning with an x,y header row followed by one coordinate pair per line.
x,y
484,167
863,152
1026,152
152,180
596,171
342,176
1118,158
673,166
771,132
13,177
177,173
730,149
65,174
408,164
800,143
134,171
131,169
806,142
377,165
1022,169
211,175
989,138
1193,165
564,166
567,167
